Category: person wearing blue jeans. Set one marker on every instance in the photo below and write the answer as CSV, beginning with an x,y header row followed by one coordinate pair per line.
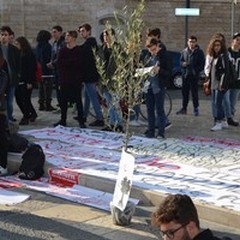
x,y
90,96
91,76
156,89
234,89
11,55
115,118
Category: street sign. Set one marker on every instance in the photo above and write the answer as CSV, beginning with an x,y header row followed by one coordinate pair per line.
x,y
187,11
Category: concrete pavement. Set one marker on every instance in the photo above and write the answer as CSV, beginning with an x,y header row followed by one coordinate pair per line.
x,y
79,218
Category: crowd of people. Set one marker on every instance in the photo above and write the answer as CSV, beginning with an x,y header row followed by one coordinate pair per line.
x,y
72,69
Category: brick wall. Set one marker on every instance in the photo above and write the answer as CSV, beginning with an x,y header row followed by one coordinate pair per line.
x,y
27,17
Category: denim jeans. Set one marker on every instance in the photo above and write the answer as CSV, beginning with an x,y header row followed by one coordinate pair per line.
x,y
217,104
156,101
234,94
227,104
9,100
115,117
90,95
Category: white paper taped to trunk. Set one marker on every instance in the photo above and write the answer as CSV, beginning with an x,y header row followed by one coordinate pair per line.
x,y
124,180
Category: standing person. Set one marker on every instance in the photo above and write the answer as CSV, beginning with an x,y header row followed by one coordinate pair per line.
x,y
27,79
218,73
115,120
192,63
234,90
12,56
58,43
156,89
3,119
91,76
43,51
177,219
156,33
70,65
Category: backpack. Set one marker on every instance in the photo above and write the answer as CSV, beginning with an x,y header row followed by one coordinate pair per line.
x,y
32,164
17,143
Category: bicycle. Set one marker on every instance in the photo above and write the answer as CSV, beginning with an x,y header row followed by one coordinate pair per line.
x,y
167,106
143,111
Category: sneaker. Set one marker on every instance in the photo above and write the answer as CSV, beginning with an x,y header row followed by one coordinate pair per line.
x,y
134,123
196,112
82,125
119,128
97,123
217,127
50,108
41,107
168,125
224,124
107,128
62,123
231,122
160,137
3,171
24,121
149,134
33,118
182,111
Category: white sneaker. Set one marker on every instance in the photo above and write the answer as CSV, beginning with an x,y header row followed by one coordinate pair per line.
x,y
3,171
134,123
217,127
224,124
141,122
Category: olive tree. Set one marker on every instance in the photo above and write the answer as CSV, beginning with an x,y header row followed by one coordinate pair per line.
x,y
125,84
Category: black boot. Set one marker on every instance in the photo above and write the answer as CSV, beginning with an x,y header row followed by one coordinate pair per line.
x,y
41,107
50,108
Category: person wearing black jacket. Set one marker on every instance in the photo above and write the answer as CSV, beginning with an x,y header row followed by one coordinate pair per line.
x,y
177,218
27,79
91,76
155,89
12,57
192,62
3,119
43,51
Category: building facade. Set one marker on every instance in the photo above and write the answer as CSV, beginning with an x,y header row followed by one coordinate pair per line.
x,y
27,17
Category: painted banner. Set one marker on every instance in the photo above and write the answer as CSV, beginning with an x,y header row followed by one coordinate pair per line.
x,y
207,169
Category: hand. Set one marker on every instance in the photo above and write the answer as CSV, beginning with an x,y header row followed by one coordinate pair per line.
x,y
29,86
50,65
185,64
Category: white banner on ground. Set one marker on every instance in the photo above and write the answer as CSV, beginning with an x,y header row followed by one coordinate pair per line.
x,y
207,169
78,194
11,198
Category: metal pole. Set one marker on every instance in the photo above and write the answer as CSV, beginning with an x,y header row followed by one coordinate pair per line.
x,y
186,22
232,17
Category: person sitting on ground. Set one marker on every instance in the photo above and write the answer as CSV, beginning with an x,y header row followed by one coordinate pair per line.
x,y
177,218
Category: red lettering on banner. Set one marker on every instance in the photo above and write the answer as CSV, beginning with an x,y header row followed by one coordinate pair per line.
x,y
64,177
161,165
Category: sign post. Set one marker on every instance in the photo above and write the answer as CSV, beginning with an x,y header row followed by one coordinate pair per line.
x,y
187,12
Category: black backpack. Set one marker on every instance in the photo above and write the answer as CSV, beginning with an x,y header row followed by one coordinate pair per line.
x,y
32,164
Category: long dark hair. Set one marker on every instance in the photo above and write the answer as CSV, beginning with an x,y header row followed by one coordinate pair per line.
x,y
24,44
43,36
